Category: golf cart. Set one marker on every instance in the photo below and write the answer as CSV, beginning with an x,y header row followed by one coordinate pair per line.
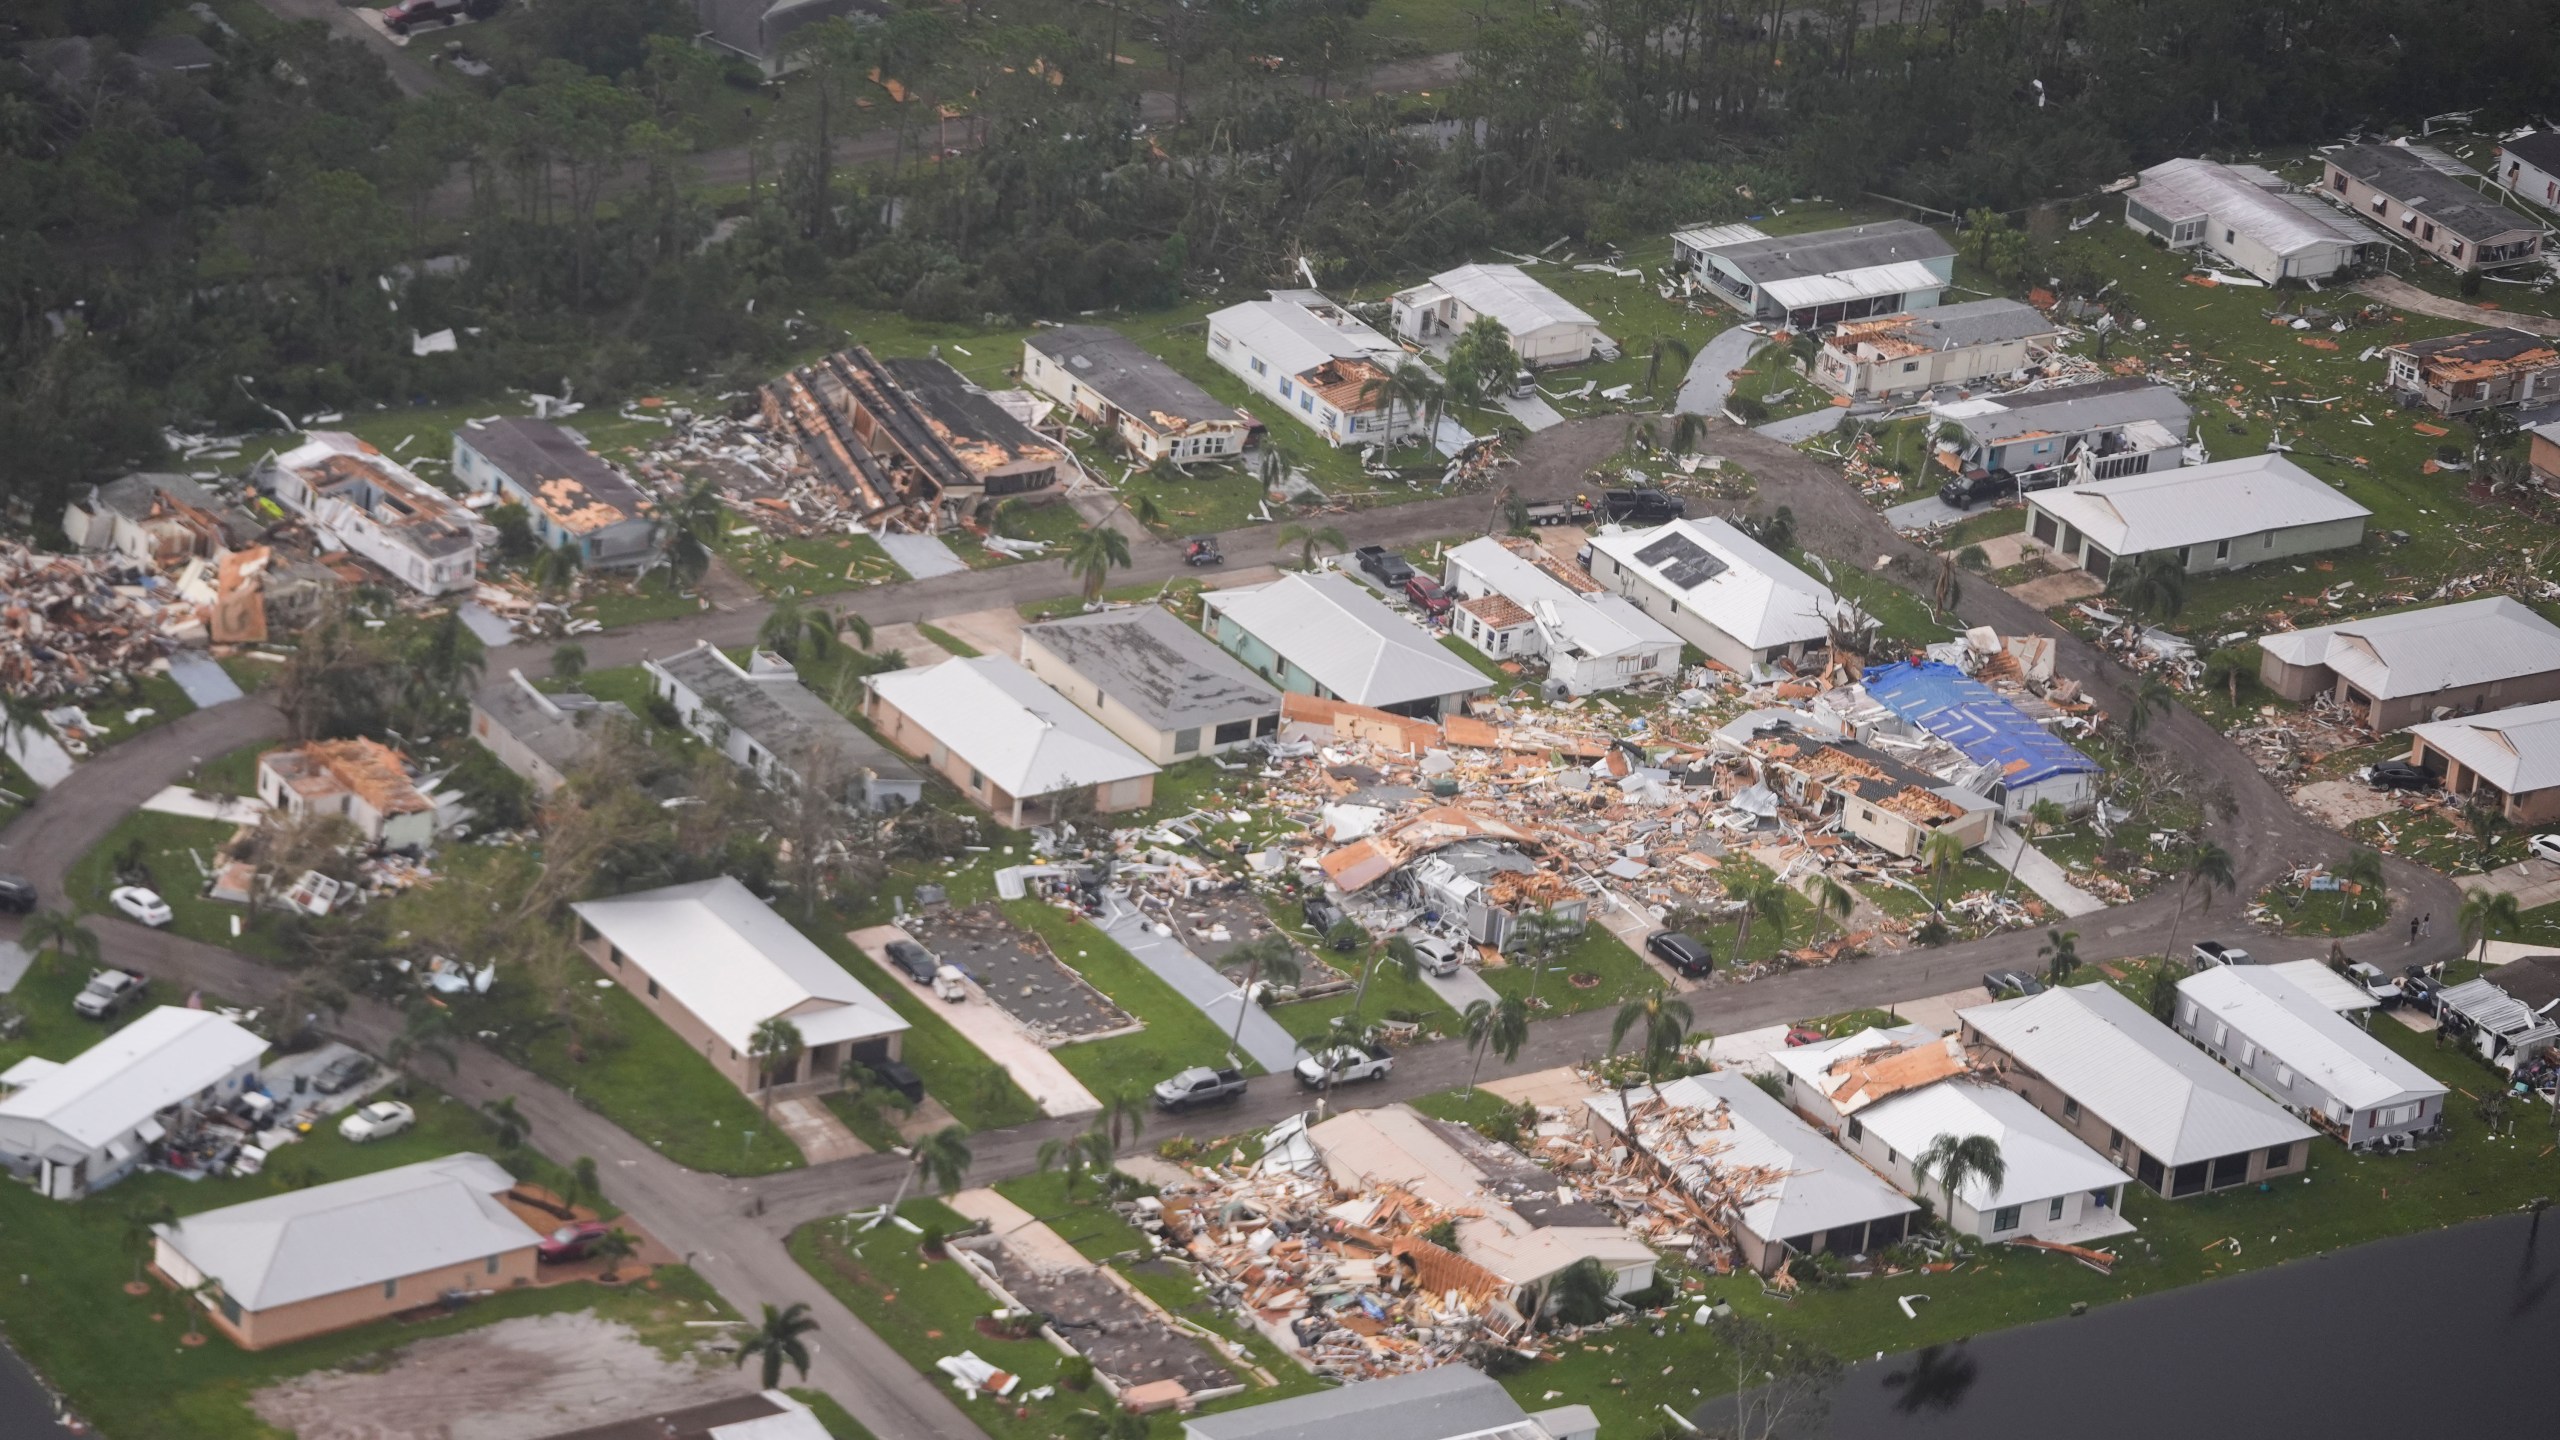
x,y
1203,550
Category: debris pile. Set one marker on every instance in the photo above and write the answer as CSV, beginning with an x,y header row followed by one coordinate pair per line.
x,y
69,630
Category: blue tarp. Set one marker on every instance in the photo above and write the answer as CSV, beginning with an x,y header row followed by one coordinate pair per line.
x,y
1969,715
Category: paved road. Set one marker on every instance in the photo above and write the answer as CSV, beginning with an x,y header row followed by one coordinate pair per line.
x,y
1710,378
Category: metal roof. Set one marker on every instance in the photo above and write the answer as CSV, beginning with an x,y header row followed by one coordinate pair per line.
x,y
1596,624
1446,1402
1973,717
166,1057
770,706
1902,277
2165,509
1295,336
1948,327
1505,292
304,1244
2419,652
1167,673
1725,577
565,480
2495,1010
1830,252
2300,1030
1332,628
1119,371
727,957
2043,1159
2516,750
560,729
1027,738
2070,410
2106,1052
1812,1185
1716,237
2333,991
2235,196
2414,184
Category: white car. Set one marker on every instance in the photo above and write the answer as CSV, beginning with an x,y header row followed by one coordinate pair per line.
x,y
2545,847
377,1121
143,905
1439,954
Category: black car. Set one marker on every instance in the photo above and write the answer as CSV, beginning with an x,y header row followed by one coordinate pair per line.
x,y
1685,953
2400,775
917,961
1389,568
1322,915
339,1074
1966,491
17,894
2004,983
897,1076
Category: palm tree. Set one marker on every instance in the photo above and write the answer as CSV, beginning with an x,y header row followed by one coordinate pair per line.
x,y
1309,539
1942,854
2041,816
2150,696
1674,350
1272,955
428,1030
2155,586
1665,1023
858,628
2228,665
511,1122
2363,869
1539,932
778,1339
1275,465
776,1047
1578,1295
583,1182
1957,1161
1407,387
1747,882
939,1159
2200,863
1096,551
693,526
1074,1156
615,1246
1397,954
795,629
2485,915
61,933
1834,899
2061,954
2489,826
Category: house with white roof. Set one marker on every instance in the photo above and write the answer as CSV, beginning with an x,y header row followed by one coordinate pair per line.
x,y
2220,516
1809,281
714,962
1445,1402
1887,1095
307,1262
1514,601
1315,360
2132,1090
1784,1188
1716,588
1325,635
1009,742
77,1126
2289,1043
2506,758
2245,216
1544,328
2392,671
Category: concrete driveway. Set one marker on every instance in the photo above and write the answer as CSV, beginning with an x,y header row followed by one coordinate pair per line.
x,y
1710,379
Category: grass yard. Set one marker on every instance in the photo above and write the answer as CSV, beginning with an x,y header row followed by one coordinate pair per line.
x,y
1504,681
807,564
2288,911
958,648
840,1426
1176,1036
170,853
977,1093
655,1086
618,602
1621,973
1080,1217
1391,997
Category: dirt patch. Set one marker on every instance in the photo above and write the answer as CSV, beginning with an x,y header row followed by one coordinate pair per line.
x,y
2060,589
515,1380
1018,973
2341,803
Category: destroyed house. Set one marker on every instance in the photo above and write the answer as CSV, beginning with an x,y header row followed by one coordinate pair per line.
x,y
907,440
2130,1088
1878,799
158,521
1108,381
1323,365
2413,195
2070,435
1161,686
2023,761
363,782
2475,370
539,735
2507,758
356,498
77,1126
1908,354
1544,328
571,497
767,722
2246,216
2314,1062
1775,1183
2221,516
2393,671
1806,282
2502,1029
1737,600
1454,1401
1488,886
1886,1095
1515,601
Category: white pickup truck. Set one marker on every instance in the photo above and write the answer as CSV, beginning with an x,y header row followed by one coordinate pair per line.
x,y
1347,1064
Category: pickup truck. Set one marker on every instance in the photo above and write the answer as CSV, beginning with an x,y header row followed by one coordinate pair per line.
x,y
1963,492
1384,565
1642,507
1347,1063
1576,511
2209,953
108,992
1199,1086
2385,991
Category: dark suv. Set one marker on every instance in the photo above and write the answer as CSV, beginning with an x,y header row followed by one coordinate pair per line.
x,y
917,961
17,894
1685,953
1642,507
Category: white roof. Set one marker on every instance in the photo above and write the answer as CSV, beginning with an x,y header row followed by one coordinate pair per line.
x,y
1332,628
2043,1159
2300,1030
1899,277
1813,1185
1505,292
304,1244
1296,339
727,957
1752,594
1812,1063
157,1061
791,1421
2242,197
1027,738
2228,499
1597,624
2516,750
2109,1054
2418,652
1709,237
2336,993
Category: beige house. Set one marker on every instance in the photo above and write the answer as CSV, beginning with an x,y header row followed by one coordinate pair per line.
x,y
1950,345
2393,671
362,781
2399,193
1164,688
1109,382
2509,758
307,1262
2221,516
1010,743
539,735
2475,370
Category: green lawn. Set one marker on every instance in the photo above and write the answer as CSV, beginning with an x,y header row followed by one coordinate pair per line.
x,y
808,564
959,649
2321,913
617,602
1622,973
1391,997
235,773
977,1093
1504,681
840,1426
173,849
1176,1036
1081,1218
665,1093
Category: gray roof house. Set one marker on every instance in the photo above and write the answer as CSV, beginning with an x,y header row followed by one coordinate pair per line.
x,y
1947,345
2507,758
2073,434
2221,516
1448,1402
2288,1042
2132,1090
2247,216
542,737
156,520
1326,635
571,496
1827,276
1107,380
1158,684
2414,195
2392,671
765,720
760,30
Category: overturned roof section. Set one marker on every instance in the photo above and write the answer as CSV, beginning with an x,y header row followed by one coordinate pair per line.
x,y
568,482
2419,652
1783,1177
1022,735
1167,673
163,1059
2301,1031
2517,750
901,432
1734,582
2254,201
1332,628
727,957
1855,1071
2479,354
2198,504
1972,717
2423,189
1136,382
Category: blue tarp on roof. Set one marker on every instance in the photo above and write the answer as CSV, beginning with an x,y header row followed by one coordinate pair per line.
x,y
1969,715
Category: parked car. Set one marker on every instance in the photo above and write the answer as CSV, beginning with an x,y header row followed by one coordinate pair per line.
x,y
1685,953
571,1241
1440,954
2544,847
1321,916
143,905
1524,385
378,1121
109,992
1804,1035
917,961
1428,595
2006,984
1199,1086
1347,1064
408,15
1642,507
2399,775
2418,989
902,1078
1384,565
2209,953
343,1073
1963,492
17,894
2381,987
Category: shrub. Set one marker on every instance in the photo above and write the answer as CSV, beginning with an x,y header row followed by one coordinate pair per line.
x,y
1075,1372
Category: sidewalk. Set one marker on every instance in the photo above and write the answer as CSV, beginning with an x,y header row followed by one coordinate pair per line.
x,y
1271,1047
2051,882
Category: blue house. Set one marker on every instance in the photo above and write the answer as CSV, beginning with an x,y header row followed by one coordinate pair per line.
x,y
2026,762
